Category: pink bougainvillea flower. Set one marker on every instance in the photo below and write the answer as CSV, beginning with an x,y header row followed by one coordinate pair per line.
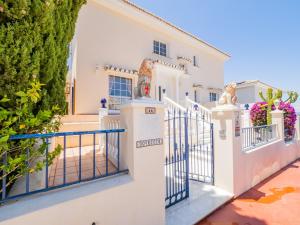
x,y
258,115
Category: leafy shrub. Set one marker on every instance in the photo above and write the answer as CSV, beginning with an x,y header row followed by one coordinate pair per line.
x,y
22,120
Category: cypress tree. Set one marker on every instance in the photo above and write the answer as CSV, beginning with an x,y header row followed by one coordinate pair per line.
x,y
34,39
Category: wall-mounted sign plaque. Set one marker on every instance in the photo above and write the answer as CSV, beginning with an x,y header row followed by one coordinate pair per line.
x,y
237,125
149,142
222,133
150,110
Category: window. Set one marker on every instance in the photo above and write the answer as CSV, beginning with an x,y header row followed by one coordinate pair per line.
x,y
120,91
195,61
213,97
159,48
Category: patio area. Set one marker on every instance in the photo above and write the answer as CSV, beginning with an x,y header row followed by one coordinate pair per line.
x,y
275,201
56,171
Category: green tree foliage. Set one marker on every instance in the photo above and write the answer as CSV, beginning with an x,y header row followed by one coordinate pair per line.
x,y
22,119
34,40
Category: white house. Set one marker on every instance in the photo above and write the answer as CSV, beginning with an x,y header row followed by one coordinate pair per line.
x,y
248,91
112,39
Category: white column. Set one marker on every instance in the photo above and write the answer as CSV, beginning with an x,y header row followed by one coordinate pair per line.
x,y
102,140
246,119
102,113
186,102
227,147
154,84
278,119
177,88
143,154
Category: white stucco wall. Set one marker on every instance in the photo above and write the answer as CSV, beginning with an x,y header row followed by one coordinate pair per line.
x,y
255,166
262,89
104,36
246,94
237,171
249,93
109,202
129,199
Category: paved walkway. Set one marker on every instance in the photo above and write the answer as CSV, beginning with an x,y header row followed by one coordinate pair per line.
x,y
56,171
203,199
275,201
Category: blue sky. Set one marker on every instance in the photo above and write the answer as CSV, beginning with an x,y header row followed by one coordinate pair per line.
x,y
262,36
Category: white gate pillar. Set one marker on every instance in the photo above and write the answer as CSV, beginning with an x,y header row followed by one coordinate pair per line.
x,y
298,127
142,152
227,147
278,119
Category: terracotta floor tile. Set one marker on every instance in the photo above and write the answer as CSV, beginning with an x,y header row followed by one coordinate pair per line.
x,y
51,181
72,178
275,201
58,180
72,166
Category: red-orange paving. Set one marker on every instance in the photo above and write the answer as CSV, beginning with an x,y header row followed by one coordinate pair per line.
x,y
275,201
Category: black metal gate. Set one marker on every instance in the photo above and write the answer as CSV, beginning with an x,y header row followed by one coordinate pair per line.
x,y
188,153
201,148
176,152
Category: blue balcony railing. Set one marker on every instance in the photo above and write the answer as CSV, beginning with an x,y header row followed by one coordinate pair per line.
x,y
56,160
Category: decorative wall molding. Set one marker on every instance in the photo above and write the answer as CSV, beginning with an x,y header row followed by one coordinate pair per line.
x,y
184,59
120,69
168,64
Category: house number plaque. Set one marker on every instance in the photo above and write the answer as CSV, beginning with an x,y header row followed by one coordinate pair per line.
x,y
150,110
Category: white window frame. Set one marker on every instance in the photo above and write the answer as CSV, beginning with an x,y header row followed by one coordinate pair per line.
x,y
115,100
158,49
213,96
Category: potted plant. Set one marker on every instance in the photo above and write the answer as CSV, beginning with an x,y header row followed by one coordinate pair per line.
x,y
103,102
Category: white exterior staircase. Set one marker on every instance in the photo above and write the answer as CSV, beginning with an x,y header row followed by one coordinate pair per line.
x,y
199,118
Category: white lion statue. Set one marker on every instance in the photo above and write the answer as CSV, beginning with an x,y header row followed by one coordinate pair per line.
x,y
229,95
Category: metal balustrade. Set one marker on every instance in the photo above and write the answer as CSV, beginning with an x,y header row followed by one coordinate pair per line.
x,y
254,137
195,107
289,134
81,156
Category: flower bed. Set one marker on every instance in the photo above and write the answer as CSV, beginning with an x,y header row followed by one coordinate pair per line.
x,y
258,115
